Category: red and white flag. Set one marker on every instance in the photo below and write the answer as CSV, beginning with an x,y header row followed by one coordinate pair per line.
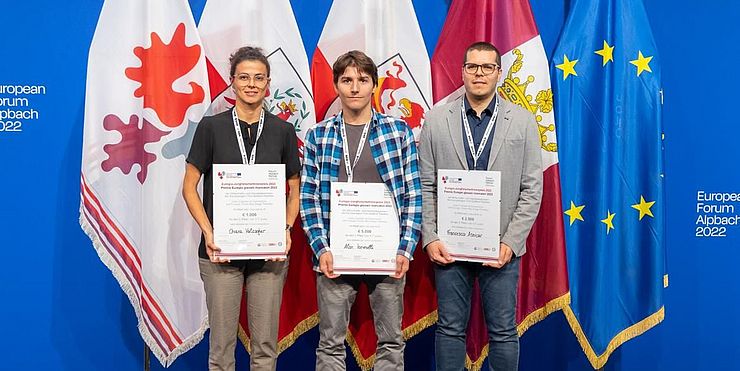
x,y
510,26
225,26
146,90
388,32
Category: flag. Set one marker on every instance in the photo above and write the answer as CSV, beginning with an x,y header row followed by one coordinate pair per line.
x,y
388,32
608,97
146,90
510,26
271,26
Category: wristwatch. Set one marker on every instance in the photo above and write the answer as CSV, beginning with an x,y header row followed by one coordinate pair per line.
x,y
288,227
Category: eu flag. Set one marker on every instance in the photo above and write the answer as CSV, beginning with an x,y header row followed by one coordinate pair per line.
x,y
608,100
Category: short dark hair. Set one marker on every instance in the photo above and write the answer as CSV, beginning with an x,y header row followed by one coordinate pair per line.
x,y
248,53
358,59
482,46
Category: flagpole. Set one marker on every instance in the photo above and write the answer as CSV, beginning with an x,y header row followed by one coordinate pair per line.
x,y
147,363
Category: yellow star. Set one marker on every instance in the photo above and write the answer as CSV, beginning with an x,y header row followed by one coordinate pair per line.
x,y
574,212
606,53
609,221
644,207
568,67
642,63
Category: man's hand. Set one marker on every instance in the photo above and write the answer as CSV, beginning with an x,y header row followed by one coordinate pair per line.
x,y
402,266
438,253
326,265
212,250
504,256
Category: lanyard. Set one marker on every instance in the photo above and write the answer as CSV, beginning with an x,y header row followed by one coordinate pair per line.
x,y
240,139
345,146
468,134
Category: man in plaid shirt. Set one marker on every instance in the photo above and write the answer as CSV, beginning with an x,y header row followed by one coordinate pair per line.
x,y
389,158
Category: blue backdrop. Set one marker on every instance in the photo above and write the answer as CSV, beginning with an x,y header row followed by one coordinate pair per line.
x,y
62,309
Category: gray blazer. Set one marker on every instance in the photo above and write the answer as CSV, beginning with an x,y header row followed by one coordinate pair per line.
x,y
515,153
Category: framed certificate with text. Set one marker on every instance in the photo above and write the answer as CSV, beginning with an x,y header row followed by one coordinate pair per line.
x,y
364,231
249,211
469,213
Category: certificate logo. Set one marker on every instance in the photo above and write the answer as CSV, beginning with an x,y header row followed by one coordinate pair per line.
x,y
341,192
446,179
228,175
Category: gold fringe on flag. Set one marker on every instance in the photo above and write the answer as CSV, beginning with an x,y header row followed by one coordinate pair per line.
x,y
244,338
598,361
300,329
413,330
478,363
289,339
540,314
420,325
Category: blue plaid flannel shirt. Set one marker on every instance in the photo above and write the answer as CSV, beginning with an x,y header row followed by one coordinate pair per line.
x,y
394,150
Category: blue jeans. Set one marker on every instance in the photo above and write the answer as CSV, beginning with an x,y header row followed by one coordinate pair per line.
x,y
498,294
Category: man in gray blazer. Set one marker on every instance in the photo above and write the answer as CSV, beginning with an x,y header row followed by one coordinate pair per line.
x,y
505,138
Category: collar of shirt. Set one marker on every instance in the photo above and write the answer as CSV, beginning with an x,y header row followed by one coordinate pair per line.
x,y
486,111
249,130
373,119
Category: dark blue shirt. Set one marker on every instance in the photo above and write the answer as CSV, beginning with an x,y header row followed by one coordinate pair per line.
x,y
477,129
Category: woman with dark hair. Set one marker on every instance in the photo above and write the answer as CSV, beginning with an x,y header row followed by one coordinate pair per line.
x,y
266,140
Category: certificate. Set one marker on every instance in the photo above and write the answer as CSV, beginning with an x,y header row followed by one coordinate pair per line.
x,y
249,211
469,213
364,232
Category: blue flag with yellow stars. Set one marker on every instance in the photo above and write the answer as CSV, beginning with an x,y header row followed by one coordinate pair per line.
x,y
606,74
